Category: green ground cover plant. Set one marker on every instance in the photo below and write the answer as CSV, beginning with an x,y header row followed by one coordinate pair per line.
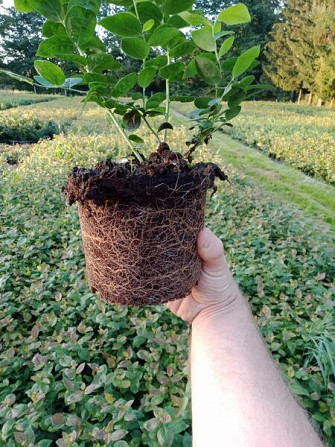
x,y
11,99
78,371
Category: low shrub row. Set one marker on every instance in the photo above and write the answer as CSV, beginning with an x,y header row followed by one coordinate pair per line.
x,y
302,135
77,371
18,128
5,105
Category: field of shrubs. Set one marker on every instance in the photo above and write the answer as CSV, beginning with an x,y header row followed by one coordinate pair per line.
x,y
79,372
10,99
302,135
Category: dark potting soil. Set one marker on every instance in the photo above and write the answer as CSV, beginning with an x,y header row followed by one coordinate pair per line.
x,y
140,225
163,175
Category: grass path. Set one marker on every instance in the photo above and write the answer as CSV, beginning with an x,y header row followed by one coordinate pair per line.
x,y
315,198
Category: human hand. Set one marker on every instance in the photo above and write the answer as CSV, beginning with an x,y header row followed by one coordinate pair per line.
x,y
217,292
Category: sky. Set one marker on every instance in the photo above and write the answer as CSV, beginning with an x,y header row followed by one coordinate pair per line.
x,y
7,3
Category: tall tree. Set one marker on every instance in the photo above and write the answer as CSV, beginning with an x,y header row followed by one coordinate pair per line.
x,y
20,37
301,52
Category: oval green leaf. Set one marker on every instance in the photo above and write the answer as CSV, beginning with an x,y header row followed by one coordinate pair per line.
x,y
55,46
232,112
169,71
50,72
204,38
226,46
51,9
183,49
148,25
162,35
235,15
174,7
135,47
146,76
100,62
245,60
194,19
24,6
123,24
80,25
208,70
124,85
93,5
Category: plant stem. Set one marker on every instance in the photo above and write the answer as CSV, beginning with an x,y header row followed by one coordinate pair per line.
x,y
167,108
119,128
152,130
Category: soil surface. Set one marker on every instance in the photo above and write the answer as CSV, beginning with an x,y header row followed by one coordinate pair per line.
x,y
163,174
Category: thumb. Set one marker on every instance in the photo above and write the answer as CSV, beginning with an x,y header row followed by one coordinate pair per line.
x,y
211,251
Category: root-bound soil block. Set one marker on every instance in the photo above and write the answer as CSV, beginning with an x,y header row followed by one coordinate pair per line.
x,y
140,224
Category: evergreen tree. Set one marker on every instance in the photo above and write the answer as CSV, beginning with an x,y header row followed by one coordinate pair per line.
x,y
301,52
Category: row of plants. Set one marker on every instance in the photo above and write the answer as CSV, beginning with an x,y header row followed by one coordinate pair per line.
x,y
11,99
78,371
21,128
302,135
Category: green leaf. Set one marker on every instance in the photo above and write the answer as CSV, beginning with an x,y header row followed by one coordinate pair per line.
x,y
50,72
174,7
194,19
228,64
51,9
235,15
204,38
297,388
135,47
93,5
191,70
148,11
24,6
232,112
124,85
55,46
148,25
202,102
135,138
208,70
123,24
101,62
247,81
245,60
182,49
50,28
80,25
146,76
169,71
177,22
17,76
157,62
226,46
163,34
236,98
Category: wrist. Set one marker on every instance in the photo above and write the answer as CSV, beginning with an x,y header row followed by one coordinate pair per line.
x,y
236,305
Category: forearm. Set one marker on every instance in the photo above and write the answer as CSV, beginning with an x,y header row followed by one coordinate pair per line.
x,y
239,398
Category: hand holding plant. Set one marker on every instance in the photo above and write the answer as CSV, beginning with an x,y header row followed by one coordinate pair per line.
x,y
140,219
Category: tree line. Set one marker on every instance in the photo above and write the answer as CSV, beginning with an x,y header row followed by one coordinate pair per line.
x,y
297,38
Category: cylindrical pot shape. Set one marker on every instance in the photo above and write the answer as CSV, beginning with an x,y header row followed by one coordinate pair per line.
x,y
142,254
140,226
